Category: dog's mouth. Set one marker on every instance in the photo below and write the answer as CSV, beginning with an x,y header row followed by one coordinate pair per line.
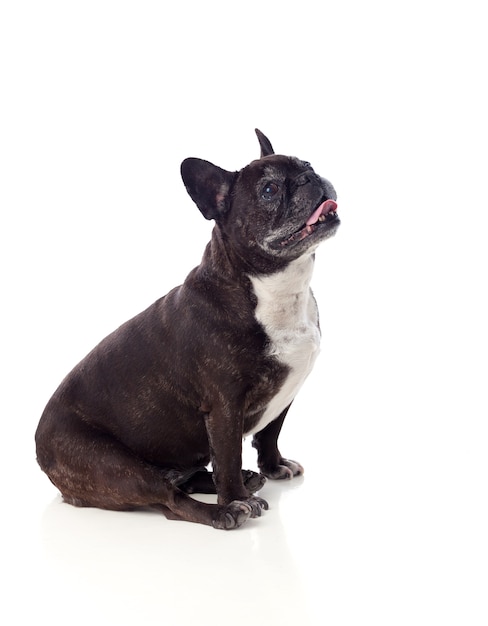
x,y
324,219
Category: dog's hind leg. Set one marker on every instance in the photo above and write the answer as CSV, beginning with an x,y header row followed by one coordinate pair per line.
x,y
200,480
93,469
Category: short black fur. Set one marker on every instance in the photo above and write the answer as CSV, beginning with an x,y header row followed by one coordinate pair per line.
x,y
175,388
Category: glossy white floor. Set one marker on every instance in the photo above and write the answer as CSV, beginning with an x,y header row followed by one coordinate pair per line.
x,y
388,526
101,101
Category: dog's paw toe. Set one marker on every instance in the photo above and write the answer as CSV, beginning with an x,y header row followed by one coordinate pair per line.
x,y
252,480
237,512
257,505
233,515
286,470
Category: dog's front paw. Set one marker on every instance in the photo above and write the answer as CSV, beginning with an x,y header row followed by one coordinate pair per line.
x,y
237,512
285,470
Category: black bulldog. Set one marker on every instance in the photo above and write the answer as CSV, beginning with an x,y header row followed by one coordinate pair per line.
x,y
218,358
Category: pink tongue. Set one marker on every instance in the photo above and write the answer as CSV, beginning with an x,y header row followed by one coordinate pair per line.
x,y
324,208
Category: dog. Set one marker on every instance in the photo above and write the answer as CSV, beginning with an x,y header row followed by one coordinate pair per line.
x,y
175,389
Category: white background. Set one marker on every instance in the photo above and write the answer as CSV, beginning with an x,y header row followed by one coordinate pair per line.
x,y
100,102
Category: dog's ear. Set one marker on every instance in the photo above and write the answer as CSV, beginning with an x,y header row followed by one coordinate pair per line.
x,y
264,142
208,186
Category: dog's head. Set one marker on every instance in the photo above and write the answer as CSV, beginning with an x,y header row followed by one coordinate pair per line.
x,y
276,208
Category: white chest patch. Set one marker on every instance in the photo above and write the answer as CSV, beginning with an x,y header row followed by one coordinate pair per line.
x,y
288,313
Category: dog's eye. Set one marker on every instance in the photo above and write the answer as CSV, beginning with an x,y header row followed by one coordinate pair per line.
x,y
269,191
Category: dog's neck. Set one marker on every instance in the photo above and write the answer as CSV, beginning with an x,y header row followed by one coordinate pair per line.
x,y
225,259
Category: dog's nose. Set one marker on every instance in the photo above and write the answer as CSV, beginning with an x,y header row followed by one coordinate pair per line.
x,y
328,187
